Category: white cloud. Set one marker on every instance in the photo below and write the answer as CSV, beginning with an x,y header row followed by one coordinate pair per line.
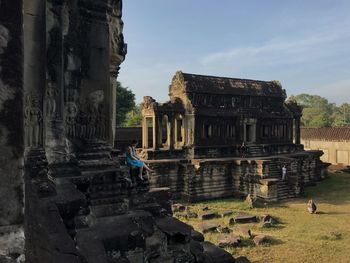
x,y
279,50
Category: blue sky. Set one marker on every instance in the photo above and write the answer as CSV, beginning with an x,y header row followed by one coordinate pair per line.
x,y
303,44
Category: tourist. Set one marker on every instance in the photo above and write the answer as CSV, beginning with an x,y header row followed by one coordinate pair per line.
x,y
133,160
284,172
243,150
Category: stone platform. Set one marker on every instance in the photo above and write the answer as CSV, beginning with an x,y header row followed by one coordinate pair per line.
x,y
205,179
102,214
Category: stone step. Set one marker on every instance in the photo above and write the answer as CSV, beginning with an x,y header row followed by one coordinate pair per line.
x,y
98,149
93,155
107,200
92,172
99,163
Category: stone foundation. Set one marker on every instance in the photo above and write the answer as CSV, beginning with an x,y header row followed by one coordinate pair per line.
x,y
103,215
205,179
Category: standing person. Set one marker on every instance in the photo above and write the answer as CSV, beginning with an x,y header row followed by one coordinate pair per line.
x,y
243,149
284,172
133,160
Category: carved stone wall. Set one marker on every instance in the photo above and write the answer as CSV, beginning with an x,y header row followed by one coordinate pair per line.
x,y
207,179
11,129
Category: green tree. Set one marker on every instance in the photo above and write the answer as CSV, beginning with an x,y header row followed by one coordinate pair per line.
x,y
317,111
125,103
134,117
341,115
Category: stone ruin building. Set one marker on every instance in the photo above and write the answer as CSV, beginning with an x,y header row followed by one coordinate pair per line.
x,y
197,135
64,194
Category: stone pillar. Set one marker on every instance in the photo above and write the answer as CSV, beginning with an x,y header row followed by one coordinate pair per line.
x,y
113,108
171,133
155,134
244,132
144,133
297,130
160,131
11,127
34,71
117,50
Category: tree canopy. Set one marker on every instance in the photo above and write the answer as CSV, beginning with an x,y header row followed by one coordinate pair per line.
x,y
318,112
134,117
125,103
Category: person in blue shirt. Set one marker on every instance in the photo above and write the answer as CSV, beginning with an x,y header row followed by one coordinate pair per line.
x,y
133,160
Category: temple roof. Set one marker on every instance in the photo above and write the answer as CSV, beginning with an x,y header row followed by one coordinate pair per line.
x,y
232,86
326,134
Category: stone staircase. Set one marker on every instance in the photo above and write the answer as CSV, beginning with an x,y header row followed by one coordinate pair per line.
x,y
255,150
283,188
106,183
96,156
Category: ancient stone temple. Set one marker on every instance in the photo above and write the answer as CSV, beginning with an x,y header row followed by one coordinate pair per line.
x,y
64,194
197,139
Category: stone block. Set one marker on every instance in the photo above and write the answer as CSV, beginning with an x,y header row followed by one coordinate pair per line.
x,y
217,254
208,215
243,231
243,219
208,227
226,213
242,260
174,229
197,250
229,241
197,236
178,208
260,239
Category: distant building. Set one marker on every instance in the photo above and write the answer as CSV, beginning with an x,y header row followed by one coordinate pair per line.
x,y
334,142
196,144
213,116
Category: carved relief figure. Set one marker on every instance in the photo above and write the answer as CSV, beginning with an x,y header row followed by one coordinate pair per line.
x,y
94,100
148,102
32,121
50,100
81,124
71,113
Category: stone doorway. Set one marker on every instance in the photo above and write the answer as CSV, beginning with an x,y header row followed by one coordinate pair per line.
x,y
250,132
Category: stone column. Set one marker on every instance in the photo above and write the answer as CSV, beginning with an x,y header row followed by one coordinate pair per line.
x,y
117,52
297,130
155,134
113,108
171,133
144,133
34,70
160,131
244,131
11,127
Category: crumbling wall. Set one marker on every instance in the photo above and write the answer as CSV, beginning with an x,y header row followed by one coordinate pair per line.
x,y
11,129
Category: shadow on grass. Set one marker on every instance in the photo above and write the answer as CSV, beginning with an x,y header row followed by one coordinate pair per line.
x,y
274,241
270,241
273,226
333,236
332,213
247,242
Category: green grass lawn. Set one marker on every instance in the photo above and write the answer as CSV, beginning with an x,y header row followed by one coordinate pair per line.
x,y
300,236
